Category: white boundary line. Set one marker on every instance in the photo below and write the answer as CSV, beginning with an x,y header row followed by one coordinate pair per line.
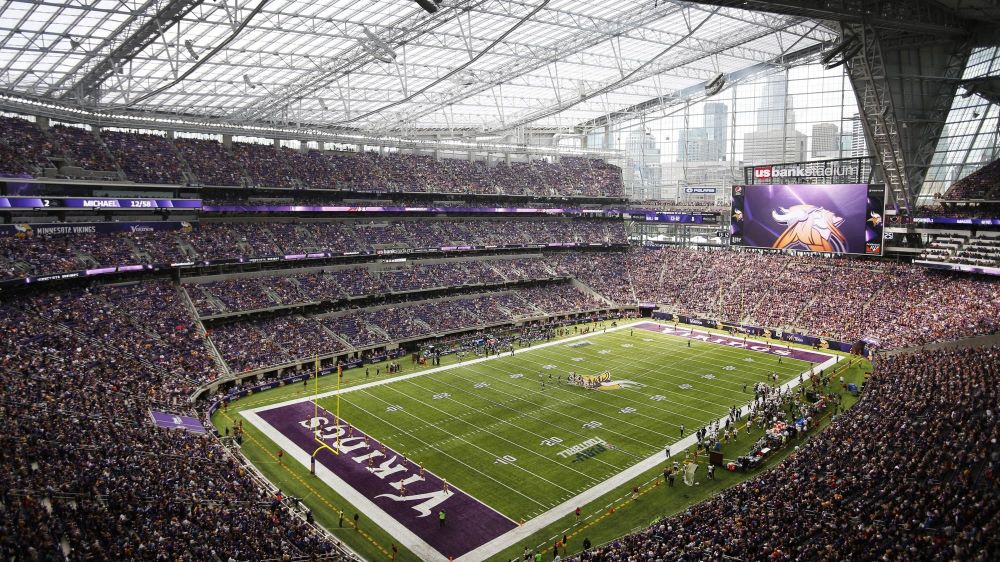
x,y
373,512
417,545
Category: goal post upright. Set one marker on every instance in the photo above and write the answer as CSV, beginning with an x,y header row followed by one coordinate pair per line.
x,y
322,444
340,377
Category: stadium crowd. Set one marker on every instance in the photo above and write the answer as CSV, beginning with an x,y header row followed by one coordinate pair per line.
x,y
33,255
909,473
838,298
151,158
82,147
87,476
210,163
243,294
145,158
24,149
148,321
275,341
896,303
981,184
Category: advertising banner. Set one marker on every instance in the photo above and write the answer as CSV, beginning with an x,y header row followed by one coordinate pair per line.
x,y
841,170
97,203
822,343
26,230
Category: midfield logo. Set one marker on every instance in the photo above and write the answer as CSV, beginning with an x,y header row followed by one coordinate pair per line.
x,y
582,447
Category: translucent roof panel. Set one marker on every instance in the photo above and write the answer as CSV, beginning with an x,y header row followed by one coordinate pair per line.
x,y
384,66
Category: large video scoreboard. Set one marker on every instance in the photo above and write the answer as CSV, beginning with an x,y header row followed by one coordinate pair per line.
x,y
837,218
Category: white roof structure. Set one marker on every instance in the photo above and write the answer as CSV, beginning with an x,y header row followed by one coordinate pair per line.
x,y
384,67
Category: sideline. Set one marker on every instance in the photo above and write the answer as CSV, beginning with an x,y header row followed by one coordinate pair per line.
x,y
441,368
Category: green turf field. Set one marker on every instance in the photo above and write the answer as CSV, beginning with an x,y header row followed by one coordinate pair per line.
x,y
496,431
492,430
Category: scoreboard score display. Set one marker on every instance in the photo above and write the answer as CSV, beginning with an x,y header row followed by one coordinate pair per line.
x,y
44,202
835,218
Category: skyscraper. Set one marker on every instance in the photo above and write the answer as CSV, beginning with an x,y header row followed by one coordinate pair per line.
x,y
708,143
775,109
825,141
859,144
716,126
774,146
642,166
775,139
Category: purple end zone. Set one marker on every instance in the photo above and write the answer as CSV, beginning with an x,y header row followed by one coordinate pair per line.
x,y
173,421
469,522
752,345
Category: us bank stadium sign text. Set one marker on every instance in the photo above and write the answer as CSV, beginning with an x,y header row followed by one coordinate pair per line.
x,y
844,170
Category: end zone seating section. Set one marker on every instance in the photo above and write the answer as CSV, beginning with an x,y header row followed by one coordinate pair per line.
x,y
86,474
981,184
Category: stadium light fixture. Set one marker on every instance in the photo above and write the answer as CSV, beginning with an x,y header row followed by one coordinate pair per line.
x,y
376,47
190,49
429,6
246,80
322,104
846,50
715,85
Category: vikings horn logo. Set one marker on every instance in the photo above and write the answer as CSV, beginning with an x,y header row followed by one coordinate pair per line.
x,y
810,228
23,231
737,215
876,219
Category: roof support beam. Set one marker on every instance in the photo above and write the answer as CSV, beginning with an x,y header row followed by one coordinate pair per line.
x,y
903,116
696,93
924,16
89,85
652,68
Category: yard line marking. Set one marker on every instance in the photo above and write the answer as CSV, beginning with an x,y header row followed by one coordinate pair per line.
x,y
528,414
714,350
521,533
515,465
607,401
501,421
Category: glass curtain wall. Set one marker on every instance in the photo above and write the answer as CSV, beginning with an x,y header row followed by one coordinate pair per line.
x,y
798,114
970,136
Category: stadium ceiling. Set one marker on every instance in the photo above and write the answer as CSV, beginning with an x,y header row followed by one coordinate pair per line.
x,y
382,66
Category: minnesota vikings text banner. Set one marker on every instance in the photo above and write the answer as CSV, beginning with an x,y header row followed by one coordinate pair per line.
x,y
837,218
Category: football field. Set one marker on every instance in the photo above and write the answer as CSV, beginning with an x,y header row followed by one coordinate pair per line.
x,y
502,441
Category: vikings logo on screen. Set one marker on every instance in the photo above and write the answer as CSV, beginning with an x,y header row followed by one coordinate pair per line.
x,y
808,227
